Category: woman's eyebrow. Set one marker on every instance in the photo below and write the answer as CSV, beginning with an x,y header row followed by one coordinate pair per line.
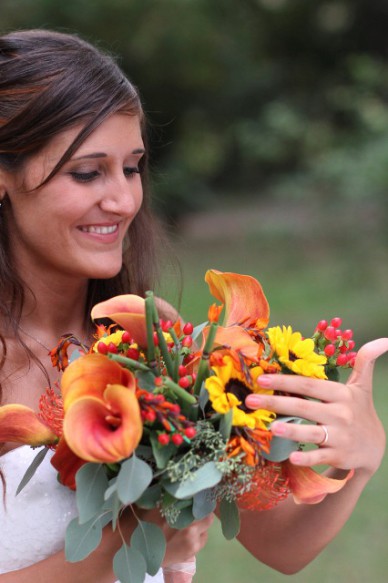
x,y
103,155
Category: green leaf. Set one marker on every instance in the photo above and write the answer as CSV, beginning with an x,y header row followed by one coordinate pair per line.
x,y
149,540
145,380
112,502
34,465
226,424
206,477
144,452
82,539
134,478
129,565
198,330
203,504
162,453
91,484
184,519
203,398
150,497
280,448
230,519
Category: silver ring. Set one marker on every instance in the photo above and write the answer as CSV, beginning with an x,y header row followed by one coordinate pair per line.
x,y
325,437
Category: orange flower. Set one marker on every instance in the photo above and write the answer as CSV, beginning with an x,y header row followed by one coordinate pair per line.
x,y
66,463
102,420
128,311
309,487
21,424
243,297
214,312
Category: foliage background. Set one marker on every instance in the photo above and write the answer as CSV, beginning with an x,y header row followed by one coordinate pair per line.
x,y
269,148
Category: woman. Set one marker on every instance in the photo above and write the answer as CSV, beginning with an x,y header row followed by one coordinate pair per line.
x,y
72,176
72,186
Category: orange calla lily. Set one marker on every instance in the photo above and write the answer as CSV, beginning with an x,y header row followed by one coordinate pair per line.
x,y
128,311
104,430
20,424
243,297
90,375
66,463
309,487
237,338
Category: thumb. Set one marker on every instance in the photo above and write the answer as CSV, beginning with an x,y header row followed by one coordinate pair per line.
x,y
362,373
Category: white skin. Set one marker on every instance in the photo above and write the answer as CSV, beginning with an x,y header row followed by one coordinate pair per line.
x,y
62,234
56,257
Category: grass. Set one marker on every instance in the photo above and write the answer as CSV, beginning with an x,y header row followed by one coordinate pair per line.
x,y
310,271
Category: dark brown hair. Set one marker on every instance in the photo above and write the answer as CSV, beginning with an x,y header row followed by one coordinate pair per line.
x,y
49,82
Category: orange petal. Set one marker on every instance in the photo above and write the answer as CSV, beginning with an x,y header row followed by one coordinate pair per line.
x,y
21,424
66,463
90,375
235,338
128,311
309,487
243,297
92,436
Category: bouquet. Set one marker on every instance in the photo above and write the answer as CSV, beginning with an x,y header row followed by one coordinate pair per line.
x,y
152,415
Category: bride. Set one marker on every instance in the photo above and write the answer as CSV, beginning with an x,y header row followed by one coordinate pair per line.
x,y
75,229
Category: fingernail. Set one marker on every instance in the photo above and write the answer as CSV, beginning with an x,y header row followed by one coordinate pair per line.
x,y
264,380
254,401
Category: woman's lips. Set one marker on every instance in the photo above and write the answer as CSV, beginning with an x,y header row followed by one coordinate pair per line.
x,y
103,233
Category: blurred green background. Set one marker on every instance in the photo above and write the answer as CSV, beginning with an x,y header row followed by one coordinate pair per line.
x,y
269,155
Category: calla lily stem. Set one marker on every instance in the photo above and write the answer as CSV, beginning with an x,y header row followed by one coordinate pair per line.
x,y
204,362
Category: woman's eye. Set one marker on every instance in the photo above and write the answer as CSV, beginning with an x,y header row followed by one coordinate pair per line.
x,y
84,176
128,171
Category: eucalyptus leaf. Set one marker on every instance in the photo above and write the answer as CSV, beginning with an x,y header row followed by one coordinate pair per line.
x,y
34,465
144,452
198,330
149,540
162,453
145,380
113,504
82,539
91,484
280,449
203,504
230,519
150,497
206,476
226,424
185,518
129,565
203,398
134,478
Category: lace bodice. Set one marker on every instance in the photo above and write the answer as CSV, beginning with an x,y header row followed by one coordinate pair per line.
x,y
33,524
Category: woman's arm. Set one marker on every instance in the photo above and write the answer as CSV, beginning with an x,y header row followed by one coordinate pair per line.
x,y
290,536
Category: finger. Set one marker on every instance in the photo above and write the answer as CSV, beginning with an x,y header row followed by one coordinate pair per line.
x,y
362,373
290,406
305,433
321,389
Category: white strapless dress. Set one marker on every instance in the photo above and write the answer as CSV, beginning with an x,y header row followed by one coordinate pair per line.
x,y
33,524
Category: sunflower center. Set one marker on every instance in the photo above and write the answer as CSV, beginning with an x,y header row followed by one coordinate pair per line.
x,y
239,390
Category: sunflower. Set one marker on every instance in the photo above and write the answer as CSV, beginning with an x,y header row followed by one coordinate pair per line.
x,y
229,386
295,353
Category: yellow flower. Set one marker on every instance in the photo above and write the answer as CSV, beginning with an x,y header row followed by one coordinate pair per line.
x,y
296,353
114,338
228,388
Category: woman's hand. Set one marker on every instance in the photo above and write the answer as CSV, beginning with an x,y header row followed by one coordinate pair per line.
x,y
355,435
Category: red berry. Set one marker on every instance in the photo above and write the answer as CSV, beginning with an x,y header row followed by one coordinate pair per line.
x,y
352,355
342,359
322,325
126,337
347,335
102,348
156,339
190,432
163,438
175,409
188,329
177,439
182,370
133,353
187,341
184,382
166,325
351,344
112,348
343,349
338,333
330,333
336,322
150,415
158,381
330,350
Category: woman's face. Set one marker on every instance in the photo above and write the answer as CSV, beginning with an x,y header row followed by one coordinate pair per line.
x,y
75,224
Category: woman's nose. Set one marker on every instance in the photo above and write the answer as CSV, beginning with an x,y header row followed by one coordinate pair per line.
x,y
122,196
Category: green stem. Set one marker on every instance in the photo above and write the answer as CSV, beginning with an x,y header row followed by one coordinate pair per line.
x,y
129,362
177,360
179,392
203,367
162,341
151,352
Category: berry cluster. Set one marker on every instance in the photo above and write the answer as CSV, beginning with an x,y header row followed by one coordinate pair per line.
x,y
174,426
336,344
